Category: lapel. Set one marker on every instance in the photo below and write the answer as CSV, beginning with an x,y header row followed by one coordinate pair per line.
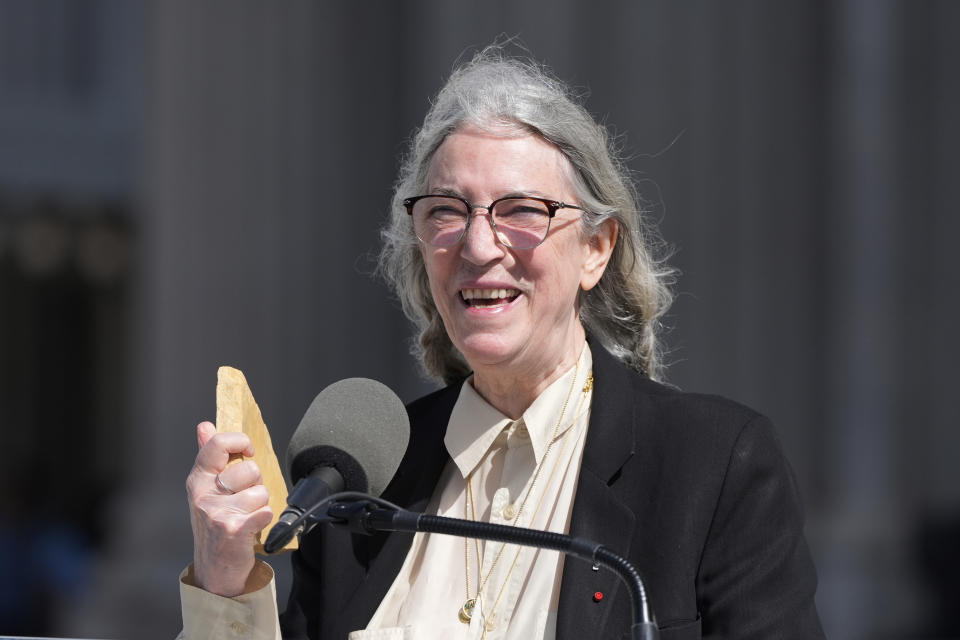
x,y
598,513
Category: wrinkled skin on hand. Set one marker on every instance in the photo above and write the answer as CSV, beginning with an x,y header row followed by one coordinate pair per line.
x,y
225,524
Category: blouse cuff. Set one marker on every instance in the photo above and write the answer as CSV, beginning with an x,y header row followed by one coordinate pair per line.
x,y
250,616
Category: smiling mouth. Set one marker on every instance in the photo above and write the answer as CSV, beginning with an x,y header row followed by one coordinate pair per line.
x,y
488,297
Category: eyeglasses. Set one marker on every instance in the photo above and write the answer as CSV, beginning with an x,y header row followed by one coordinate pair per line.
x,y
517,222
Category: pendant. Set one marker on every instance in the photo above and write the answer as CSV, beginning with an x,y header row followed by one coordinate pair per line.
x,y
466,611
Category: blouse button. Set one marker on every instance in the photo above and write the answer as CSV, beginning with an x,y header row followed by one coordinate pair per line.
x,y
509,511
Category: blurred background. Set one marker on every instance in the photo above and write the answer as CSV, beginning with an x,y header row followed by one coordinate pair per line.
x,y
189,184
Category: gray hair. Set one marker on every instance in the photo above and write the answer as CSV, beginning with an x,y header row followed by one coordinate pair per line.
x,y
623,311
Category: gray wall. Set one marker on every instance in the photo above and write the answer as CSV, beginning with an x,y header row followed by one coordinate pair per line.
x,y
799,156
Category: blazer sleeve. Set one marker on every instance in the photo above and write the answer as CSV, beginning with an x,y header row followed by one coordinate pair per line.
x,y
756,578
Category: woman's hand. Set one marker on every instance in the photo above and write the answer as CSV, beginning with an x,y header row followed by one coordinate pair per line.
x,y
225,519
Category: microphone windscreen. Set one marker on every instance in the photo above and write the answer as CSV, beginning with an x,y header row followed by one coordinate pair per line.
x,y
359,427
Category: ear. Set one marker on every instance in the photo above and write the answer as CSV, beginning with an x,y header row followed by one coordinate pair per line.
x,y
597,252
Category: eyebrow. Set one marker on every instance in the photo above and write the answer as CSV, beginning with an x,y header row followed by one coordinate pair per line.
x,y
531,192
443,191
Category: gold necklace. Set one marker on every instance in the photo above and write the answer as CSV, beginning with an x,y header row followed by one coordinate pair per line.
x,y
466,610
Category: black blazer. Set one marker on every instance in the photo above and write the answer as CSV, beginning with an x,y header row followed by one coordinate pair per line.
x,y
693,489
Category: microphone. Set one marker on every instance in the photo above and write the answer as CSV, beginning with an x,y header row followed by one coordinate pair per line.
x,y
351,438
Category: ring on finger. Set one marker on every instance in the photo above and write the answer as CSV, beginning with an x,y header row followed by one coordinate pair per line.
x,y
224,488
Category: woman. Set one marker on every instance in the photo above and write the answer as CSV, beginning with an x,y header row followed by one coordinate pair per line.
x,y
516,246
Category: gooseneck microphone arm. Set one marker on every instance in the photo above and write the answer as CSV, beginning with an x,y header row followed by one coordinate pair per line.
x,y
361,515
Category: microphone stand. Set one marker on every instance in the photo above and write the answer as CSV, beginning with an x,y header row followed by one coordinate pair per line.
x,y
364,516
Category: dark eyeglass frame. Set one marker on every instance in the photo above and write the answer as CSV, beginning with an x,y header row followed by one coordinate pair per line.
x,y
552,207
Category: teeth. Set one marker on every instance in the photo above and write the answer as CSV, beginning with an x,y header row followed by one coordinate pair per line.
x,y
488,294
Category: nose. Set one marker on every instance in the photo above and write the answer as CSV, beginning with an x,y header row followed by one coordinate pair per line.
x,y
480,244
